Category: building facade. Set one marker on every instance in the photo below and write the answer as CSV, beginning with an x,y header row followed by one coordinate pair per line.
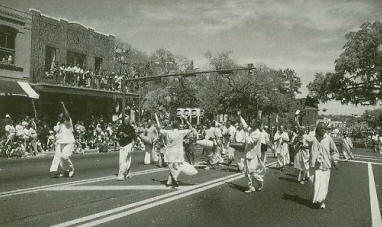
x,y
44,61
15,55
15,43
58,41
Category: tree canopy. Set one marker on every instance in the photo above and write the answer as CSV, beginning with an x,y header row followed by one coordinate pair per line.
x,y
357,77
266,89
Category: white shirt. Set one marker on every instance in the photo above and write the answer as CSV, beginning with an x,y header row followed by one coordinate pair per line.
x,y
240,136
10,130
264,137
64,132
210,133
231,132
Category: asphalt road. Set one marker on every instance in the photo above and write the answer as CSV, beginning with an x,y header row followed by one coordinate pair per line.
x,y
28,197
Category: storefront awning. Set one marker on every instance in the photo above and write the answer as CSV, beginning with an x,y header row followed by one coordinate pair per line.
x,y
17,88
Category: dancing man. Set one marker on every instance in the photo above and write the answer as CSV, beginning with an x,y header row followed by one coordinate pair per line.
x,y
126,137
64,146
253,164
174,153
323,155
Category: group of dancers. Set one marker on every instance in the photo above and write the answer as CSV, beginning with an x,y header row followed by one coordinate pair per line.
x,y
316,152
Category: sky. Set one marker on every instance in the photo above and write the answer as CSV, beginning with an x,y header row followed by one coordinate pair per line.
x,y
304,35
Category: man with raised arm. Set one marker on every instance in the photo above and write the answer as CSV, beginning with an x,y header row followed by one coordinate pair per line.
x,y
254,166
64,145
174,153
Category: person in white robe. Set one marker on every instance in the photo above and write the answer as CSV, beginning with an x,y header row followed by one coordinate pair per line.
x,y
254,168
149,136
323,155
174,153
64,146
302,144
347,147
281,139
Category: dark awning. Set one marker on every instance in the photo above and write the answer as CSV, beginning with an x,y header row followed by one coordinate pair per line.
x,y
59,89
17,88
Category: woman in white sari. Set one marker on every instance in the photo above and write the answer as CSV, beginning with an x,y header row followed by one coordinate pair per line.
x,y
254,168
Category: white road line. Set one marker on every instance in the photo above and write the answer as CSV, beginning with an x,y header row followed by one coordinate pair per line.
x,y
368,156
112,188
374,159
374,204
86,181
374,163
147,201
142,202
154,204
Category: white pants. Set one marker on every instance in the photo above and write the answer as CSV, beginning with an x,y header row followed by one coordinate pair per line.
x,y
321,183
125,159
150,154
174,171
61,158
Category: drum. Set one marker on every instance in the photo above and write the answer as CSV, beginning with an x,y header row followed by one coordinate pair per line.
x,y
237,146
146,139
208,144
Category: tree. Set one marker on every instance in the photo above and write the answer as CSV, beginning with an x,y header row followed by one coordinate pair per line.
x,y
373,117
358,70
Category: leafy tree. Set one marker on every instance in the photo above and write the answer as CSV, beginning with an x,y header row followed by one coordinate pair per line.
x,y
373,117
358,70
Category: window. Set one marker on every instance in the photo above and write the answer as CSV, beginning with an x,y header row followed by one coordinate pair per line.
x,y
50,58
7,44
97,64
74,58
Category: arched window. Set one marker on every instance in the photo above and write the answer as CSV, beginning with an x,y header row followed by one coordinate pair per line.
x,y
7,44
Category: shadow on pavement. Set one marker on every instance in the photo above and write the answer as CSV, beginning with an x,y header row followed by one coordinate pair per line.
x,y
297,199
163,182
288,179
231,170
291,175
237,187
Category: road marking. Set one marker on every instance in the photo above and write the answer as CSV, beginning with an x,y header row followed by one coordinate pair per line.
x,y
154,204
149,201
368,156
374,204
112,188
72,183
380,160
358,161
142,202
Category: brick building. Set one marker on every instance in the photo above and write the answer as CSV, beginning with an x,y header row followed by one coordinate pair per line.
x,y
15,52
33,44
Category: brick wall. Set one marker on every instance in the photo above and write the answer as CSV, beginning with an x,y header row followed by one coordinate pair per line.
x,y
67,36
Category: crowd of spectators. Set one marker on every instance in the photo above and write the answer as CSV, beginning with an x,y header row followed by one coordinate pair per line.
x,y
75,75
